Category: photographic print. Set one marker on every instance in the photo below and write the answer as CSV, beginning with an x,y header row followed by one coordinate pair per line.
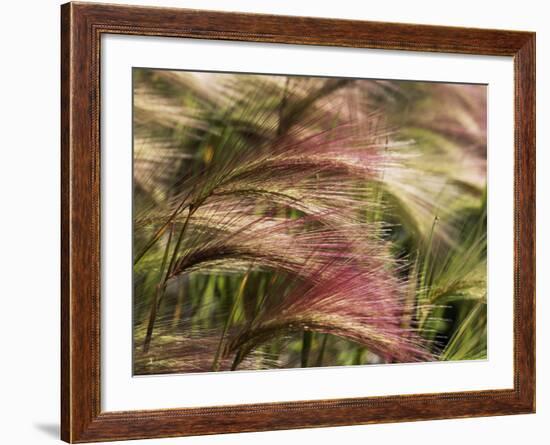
x,y
294,221
278,222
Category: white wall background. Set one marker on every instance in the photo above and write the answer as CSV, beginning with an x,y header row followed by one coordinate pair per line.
x,y
29,219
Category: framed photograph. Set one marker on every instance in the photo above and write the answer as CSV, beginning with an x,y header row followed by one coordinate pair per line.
x,y
275,222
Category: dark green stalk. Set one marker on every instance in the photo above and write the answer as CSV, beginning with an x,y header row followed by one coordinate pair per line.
x,y
238,359
239,356
424,276
322,351
358,359
228,322
379,192
410,297
306,347
192,210
159,289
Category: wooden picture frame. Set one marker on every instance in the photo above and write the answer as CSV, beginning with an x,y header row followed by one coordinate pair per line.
x,y
82,25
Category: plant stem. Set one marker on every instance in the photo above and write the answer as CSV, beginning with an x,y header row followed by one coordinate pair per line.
x,y
234,305
358,359
306,348
379,191
410,296
282,105
423,292
156,298
322,351
238,359
180,239
164,277
152,317
178,309
181,207
455,339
